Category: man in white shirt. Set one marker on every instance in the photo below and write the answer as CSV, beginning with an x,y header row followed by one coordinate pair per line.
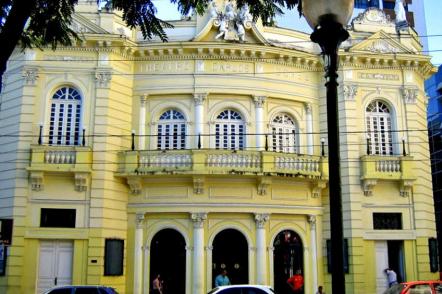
x,y
391,277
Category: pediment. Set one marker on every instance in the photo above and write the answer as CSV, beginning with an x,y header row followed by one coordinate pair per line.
x,y
83,25
381,43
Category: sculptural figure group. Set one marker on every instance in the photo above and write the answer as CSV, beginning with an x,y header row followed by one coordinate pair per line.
x,y
231,23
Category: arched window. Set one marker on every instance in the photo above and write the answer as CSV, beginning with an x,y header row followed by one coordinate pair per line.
x,y
284,134
171,130
229,130
64,125
378,123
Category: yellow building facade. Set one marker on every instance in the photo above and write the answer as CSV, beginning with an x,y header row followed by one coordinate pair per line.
x,y
124,158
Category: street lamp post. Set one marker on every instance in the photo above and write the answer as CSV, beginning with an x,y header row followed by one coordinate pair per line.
x,y
327,18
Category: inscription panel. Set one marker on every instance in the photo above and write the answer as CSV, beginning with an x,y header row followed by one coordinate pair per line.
x,y
378,76
166,67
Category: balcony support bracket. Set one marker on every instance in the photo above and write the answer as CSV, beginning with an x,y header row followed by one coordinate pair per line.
x,y
81,181
263,184
135,185
317,188
198,184
405,189
368,185
37,180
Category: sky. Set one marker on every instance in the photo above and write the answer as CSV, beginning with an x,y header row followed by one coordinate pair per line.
x,y
433,16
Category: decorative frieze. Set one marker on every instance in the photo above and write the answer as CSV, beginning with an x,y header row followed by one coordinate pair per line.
x,y
198,219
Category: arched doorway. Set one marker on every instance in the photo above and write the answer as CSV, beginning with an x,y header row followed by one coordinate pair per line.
x,y
287,259
168,258
230,252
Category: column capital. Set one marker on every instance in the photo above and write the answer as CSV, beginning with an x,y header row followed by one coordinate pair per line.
x,y
311,220
259,101
308,108
350,91
143,99
199,98
198,219
103,78
261,219
139,220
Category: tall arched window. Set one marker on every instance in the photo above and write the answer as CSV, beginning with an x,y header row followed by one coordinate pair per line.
x,y
229,130
64,125
171,130
378,123
284,134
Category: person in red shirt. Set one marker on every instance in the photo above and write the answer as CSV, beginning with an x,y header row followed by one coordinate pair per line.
x,y
296,282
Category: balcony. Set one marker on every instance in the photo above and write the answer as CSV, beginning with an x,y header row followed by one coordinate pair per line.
x,y
387,168
76,160
199,163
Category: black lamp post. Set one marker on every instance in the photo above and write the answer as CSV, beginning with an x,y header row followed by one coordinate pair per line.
x,y
327,18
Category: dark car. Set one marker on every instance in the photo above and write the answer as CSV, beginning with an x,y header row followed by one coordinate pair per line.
x,y
416,287
82,290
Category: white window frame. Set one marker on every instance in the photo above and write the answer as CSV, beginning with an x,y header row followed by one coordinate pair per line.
x,y
230,130
379,125
65,117
171,132
284,136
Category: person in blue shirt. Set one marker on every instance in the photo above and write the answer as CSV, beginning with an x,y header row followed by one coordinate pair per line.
x,y
222,279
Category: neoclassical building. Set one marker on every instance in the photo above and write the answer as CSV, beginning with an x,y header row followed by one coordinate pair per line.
x,y
124,158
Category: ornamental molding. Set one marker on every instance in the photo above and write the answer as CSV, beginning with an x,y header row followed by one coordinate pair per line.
x,y
30,76
373,16
381,46
350,91
198,219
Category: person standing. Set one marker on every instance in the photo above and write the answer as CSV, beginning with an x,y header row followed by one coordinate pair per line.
x,y
320,290
222,279
391,277
157,285
296,282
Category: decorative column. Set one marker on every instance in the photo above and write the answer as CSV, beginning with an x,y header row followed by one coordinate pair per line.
x,y
309,122
142,123
138,254
259,121
146,281
198,252
199,116
261,260
314,252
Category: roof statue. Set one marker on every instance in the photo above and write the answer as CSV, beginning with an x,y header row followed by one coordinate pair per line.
x,y
401,17
232,22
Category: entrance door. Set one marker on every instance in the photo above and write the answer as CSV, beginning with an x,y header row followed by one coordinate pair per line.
x,y
288,260
230,253
381,265
55,264
168,259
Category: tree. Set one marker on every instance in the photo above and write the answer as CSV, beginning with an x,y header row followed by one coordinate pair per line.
x,y
38,23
